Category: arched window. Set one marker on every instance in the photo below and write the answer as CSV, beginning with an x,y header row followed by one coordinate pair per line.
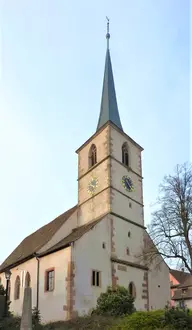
x,y
132,289
17,288
92,155
125,154
27,280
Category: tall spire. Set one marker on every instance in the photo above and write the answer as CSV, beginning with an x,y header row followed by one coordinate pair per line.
x,y
109,109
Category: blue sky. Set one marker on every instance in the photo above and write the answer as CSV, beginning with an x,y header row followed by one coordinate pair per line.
x,y
51,72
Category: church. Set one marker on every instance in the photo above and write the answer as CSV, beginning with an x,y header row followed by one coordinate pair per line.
x,y
70,261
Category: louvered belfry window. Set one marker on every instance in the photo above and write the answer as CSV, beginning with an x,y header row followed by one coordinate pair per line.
x,y
125,154
92,155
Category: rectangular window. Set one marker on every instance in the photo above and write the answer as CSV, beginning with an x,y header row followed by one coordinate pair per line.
x,y
96,278
49,280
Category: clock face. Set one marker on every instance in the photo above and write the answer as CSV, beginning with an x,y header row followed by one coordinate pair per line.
x,y
127,183
93,183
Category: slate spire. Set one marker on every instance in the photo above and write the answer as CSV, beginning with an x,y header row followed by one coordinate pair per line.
x,y
109,108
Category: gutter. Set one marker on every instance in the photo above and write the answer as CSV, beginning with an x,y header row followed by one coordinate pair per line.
x,y
54,249
10,266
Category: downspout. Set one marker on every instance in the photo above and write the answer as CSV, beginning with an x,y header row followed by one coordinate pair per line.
x,y
38,264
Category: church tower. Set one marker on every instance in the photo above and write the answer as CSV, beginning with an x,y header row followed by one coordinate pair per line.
x,y
109,164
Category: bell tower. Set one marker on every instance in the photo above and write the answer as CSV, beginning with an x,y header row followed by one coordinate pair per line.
x,y
109,163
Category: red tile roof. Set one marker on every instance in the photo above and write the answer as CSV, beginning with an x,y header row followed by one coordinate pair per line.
x,y
180,276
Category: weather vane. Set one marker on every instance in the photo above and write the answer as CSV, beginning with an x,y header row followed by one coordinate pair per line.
x,y
108,34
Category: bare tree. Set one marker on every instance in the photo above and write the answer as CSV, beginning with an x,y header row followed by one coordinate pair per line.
x,y
171,225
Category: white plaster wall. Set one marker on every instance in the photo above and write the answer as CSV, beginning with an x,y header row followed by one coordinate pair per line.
x,y
159,285
21,270
94,208
122,241
134,275
51,303
64,231
117,140
120,206
89,255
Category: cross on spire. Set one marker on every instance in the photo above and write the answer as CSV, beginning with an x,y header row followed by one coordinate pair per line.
x,y
108,34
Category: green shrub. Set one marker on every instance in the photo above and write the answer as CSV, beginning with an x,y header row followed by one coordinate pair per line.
x,y
170,318
3,293
115,302
190,311
36,317
10,323
178,318
142,320
2,290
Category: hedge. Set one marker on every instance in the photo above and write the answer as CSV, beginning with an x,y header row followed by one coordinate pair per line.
x,y
141,320
170,318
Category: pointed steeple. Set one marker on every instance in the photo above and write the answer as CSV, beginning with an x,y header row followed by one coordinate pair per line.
x,y
109,109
